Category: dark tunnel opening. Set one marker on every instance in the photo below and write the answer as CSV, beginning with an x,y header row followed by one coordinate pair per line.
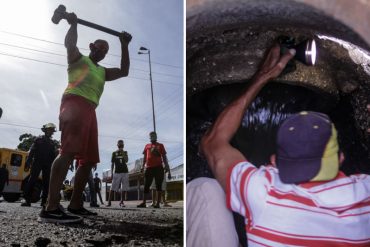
x,y
256,136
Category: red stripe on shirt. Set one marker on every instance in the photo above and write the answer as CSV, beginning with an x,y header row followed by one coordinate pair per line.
x,y
254,241
331,214
313,237
319,241
359,205
292,197
245,181
306,201
228,189
332,187
268,177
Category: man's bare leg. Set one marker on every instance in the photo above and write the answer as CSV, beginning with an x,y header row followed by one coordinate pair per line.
x,y
121,201
82,175
123,198
58,173
110,198
159,194
153,197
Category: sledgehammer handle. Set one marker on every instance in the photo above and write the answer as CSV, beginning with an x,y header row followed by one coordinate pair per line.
x,y
96,26
60,13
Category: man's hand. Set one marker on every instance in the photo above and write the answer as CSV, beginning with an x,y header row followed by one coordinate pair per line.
x,y
125,38
166,168
125,156
71,18
27,166
274,63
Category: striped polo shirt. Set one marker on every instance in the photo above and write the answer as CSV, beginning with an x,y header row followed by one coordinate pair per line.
x,y
331,213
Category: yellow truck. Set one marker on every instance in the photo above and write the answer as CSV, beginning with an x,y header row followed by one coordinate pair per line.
x,y
15,161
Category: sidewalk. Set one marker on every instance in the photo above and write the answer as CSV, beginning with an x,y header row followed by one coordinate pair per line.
x,y
133,204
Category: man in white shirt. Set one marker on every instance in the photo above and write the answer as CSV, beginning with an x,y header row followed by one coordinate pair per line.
x,y
300,200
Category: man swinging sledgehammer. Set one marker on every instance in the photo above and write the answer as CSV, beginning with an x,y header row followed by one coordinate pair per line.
x,y
78,124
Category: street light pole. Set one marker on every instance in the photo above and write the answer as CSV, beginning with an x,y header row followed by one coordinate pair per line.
x,y
151,81
151,89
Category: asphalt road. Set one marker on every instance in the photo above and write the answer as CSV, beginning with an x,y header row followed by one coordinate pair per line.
x,y
114,226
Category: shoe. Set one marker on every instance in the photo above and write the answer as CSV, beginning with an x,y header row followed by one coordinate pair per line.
x,y
94,205
122,205
109,204
26,204
157,206
81,211
152,205
58,216
142,205
60,206
167,205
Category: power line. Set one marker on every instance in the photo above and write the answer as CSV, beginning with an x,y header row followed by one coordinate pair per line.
x,y
159,104
132,139
31,49
63,55
172,159
56,43
32,59
63,65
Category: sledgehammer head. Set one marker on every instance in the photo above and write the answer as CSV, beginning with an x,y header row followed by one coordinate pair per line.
x,y
59,14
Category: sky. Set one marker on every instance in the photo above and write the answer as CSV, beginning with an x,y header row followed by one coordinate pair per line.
x,y
33,69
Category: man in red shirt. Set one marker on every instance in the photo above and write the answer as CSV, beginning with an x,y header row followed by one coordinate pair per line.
x,y
154,158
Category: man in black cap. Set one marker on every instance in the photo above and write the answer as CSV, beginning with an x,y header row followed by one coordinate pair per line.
x,y
42,154
302,199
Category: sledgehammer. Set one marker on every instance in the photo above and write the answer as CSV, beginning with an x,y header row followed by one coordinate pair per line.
x,y
60,13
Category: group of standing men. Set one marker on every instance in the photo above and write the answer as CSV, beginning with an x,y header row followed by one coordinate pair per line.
x,y
154,172
44,150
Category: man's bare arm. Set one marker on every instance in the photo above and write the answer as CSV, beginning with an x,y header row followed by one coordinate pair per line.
x,y
215,144
144,161
126,156
115,73
165,161
70,41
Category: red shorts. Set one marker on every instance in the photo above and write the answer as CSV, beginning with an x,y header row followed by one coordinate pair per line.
x,y
79,127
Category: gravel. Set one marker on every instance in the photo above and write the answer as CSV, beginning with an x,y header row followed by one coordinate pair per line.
x,y
114,226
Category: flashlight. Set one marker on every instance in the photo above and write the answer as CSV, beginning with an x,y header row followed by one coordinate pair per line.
x,y
306,51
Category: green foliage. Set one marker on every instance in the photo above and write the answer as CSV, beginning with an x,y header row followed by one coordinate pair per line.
x,y
27,140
